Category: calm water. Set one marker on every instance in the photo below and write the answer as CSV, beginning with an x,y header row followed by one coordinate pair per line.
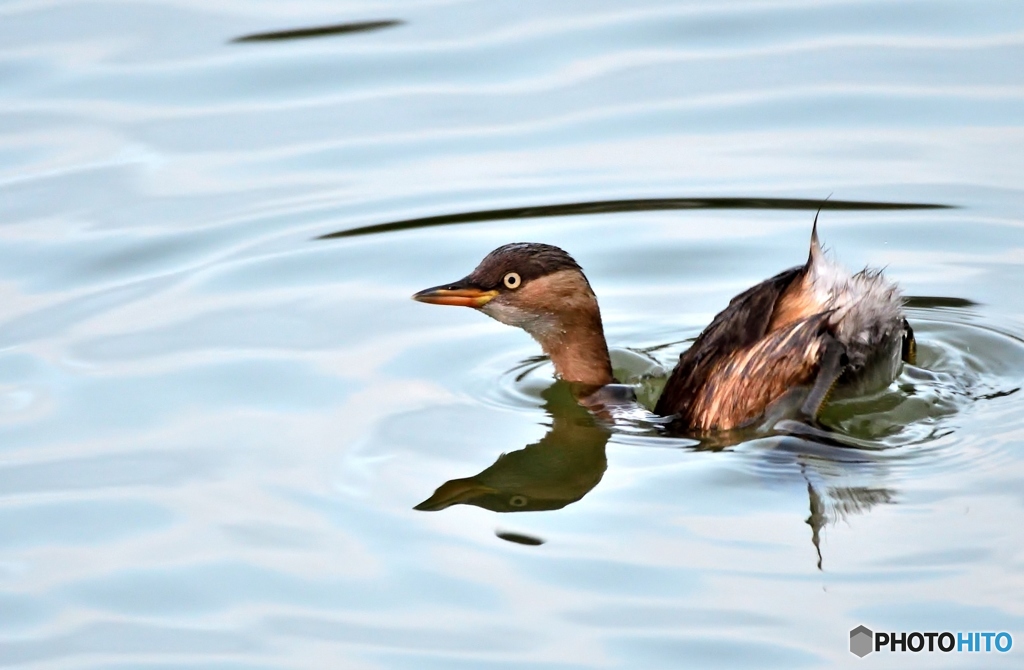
x,y
214,427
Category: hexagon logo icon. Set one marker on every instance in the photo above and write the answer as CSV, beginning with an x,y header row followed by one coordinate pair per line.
x,y
862,641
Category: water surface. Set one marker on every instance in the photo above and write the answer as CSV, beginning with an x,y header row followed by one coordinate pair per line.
x,y
215,425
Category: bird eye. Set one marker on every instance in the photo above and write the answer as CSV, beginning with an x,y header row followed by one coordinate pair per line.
x,y
512,280
518,501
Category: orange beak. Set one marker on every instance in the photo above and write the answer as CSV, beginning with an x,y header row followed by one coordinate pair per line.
x,y
460,294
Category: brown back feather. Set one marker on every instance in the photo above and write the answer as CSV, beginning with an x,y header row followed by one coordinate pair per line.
x,y
740,386
741,324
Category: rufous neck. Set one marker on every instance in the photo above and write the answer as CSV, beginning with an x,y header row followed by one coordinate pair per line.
x,y
579,352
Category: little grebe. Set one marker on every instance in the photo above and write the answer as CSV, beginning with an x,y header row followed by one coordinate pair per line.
x,y
811,327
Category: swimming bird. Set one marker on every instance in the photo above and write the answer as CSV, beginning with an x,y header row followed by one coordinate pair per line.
x,y
806,331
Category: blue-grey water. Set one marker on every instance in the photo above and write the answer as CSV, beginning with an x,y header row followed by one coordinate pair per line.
x,y
214,427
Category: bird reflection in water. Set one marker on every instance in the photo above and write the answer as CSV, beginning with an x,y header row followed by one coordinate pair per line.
x,y
842,481
570,460
830,504
551,473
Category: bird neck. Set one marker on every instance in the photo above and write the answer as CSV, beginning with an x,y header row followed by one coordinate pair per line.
x,y
578,350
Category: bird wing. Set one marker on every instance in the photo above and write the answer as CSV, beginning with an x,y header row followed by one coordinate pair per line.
x,y
738,326
741,385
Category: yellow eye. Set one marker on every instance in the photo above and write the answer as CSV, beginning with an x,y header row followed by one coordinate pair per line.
x,y
512,280
517,500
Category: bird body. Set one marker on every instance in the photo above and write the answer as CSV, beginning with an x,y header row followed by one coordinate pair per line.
x,y
810,327
774,337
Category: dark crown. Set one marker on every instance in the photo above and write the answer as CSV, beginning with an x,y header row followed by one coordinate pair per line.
x,y
531,260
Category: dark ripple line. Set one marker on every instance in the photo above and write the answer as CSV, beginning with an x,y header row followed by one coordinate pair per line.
x,y
318,31
615,206
934,302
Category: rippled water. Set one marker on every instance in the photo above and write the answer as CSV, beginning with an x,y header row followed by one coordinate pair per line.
x,y
219,407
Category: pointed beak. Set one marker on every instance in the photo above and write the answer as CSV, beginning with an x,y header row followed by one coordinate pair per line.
x,y
452,493
460,294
